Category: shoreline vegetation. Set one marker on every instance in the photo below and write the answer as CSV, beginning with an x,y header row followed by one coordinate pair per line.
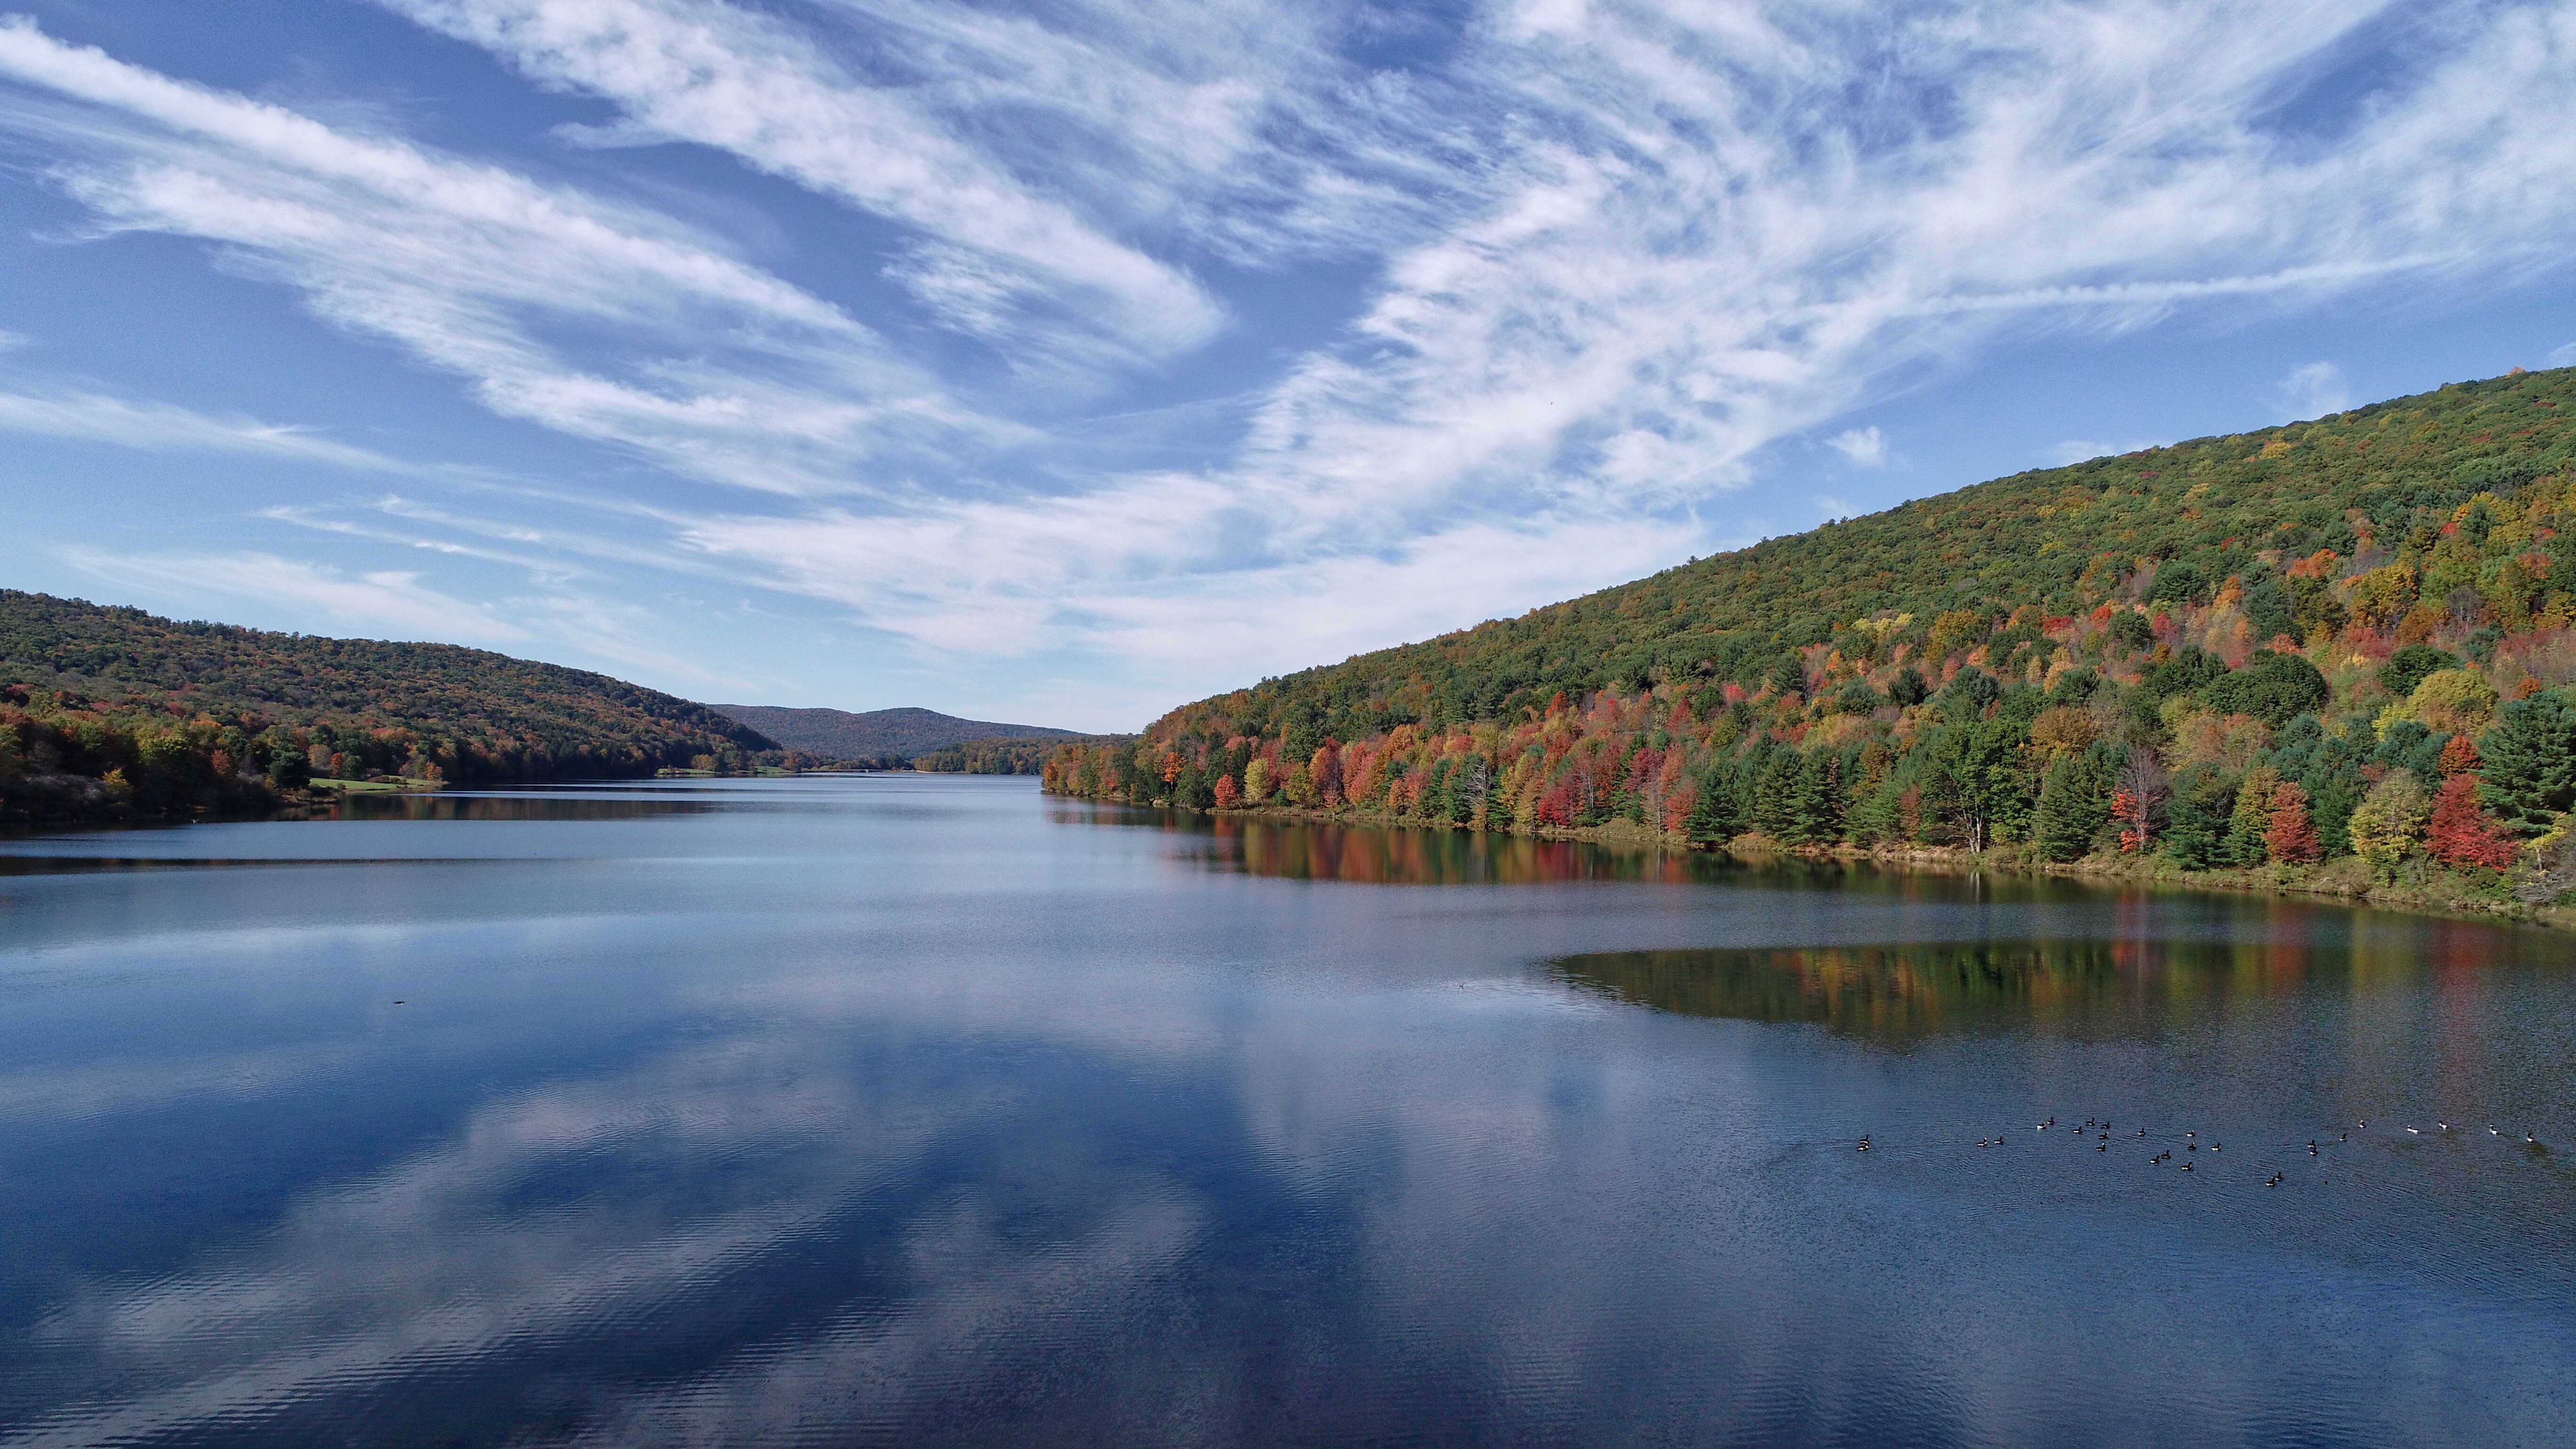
x,y
2335,658
2427,888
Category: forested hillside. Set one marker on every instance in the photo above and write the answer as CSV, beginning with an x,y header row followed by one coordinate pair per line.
x,y
105,710
2339,636
1024,756
878,733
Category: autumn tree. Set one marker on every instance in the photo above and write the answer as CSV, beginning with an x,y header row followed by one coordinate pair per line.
x,y
2291,838
2388,825
2137,801
2251,817
2462,832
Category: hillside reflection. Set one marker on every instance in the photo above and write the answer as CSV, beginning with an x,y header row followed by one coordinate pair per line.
x,y
1375,855
1900,994
637,805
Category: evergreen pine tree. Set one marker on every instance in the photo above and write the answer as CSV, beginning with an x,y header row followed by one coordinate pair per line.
x,y
1775,796
2528,760
2196,820
2074,804
1816,816
1716,815
1877,817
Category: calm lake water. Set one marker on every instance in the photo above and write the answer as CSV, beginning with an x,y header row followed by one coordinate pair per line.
x,y
899,1110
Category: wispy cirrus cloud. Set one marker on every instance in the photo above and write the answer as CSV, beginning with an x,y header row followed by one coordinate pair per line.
x,y
379,603
1687,242
1588,263
694,359
99,417
995,254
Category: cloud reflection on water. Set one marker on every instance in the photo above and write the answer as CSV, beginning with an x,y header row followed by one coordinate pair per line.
x,y
1024,1130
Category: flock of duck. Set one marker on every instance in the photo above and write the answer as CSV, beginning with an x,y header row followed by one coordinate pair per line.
x,y
2190,1144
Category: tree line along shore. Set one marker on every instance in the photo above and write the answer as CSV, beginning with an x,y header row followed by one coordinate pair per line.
x,y
2337,655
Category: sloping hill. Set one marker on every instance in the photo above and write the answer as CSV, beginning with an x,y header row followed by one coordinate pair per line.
x,y
2227,611
157,714
903,733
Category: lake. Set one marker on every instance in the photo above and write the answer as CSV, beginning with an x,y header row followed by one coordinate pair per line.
x,y
930,1110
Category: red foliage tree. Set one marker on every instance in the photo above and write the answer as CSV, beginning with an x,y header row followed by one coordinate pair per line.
x,y
1227,794
1326,767
1559,804
2130,810
2138,800
2292,837
2463,833
2460,756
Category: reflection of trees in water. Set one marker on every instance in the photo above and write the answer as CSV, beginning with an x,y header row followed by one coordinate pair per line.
x,y
1388,856
520,807
1897,995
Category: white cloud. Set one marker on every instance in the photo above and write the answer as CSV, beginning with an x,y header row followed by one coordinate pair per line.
x,y
2314,389
728,372
998,248
2080,450
1865,447
1680,244
94,417
2563,356
1609,260
382,604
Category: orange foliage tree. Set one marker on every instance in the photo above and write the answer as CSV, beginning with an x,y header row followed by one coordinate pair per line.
x,y
2292,837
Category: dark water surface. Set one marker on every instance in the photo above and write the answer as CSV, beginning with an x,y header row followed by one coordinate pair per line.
x,y
929,1111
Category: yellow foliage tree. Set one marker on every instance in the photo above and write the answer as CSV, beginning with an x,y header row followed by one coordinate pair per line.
x,y
2063,730
2455,700
2382,595
2388,825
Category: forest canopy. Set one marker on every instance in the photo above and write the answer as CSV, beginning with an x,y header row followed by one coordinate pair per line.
x,y
2354,635
108,710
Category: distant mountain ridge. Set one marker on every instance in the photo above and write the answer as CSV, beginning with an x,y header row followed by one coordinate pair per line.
x,y
905,732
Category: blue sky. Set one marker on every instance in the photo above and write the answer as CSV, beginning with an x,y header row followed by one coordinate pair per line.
x,y
1060,362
